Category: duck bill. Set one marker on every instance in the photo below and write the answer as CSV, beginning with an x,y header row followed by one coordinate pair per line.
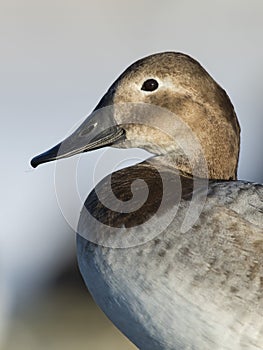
x,y
97,131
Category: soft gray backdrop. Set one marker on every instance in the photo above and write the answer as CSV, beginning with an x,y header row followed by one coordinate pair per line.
x,y
57,59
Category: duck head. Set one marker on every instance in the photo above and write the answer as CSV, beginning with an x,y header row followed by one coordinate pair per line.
x,y
172,82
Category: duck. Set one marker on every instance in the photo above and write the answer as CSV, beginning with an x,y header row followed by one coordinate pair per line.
x,y
171,248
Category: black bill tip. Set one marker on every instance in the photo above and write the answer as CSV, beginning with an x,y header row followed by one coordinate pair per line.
x,y
45,157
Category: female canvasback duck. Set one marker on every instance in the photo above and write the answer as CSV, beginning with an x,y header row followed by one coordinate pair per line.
x,y
171,249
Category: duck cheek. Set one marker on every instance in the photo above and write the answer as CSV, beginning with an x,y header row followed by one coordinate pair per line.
x,y
145,137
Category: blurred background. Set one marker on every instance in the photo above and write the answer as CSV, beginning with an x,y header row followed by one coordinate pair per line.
x,y
57,59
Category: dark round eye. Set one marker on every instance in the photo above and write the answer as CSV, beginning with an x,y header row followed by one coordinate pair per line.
x,y
150,85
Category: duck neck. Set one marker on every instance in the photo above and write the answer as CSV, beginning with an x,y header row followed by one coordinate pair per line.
x,y
195,167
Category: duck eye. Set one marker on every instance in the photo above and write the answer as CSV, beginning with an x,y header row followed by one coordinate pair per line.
x,y
150,85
